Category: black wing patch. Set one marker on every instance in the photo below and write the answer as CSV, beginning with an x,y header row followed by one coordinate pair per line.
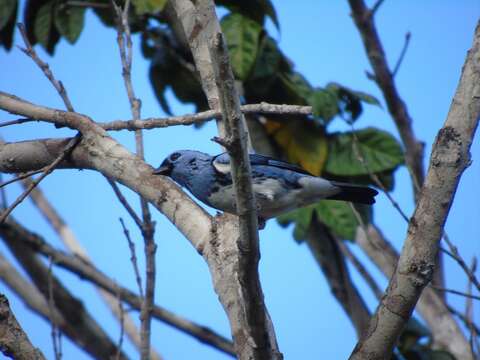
x,y
222,163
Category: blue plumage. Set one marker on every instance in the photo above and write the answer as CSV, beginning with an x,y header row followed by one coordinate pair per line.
x,y
278,186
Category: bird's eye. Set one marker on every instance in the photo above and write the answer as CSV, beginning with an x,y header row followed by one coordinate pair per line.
x,y
174,156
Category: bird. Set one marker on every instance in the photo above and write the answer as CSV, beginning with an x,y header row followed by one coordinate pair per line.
x,y
279,186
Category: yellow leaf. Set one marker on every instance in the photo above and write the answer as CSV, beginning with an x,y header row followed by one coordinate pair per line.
x,y
302,141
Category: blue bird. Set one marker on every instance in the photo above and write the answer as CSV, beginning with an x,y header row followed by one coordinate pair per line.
x,y
278,186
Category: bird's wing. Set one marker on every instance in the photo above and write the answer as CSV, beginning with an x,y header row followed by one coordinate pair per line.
x,y
221,163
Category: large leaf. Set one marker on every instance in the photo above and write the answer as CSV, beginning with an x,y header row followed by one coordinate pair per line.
x,y
148,6
253,9
324,104
340,218
297,85
242,35
302,141
7,10
69,21
301,218
43,28
8,16
379,150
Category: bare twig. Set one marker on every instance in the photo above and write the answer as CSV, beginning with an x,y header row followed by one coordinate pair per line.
x,y
133,257
325,249
375,8
124,40
456,292
16,122
189,119
469,313
71,144
3,195
402,54
121,310
29,51
14,341
454,254
362,270
55,333
468,322
125,203
21,177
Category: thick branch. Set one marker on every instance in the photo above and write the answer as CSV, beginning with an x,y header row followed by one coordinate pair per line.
x,y
243,298
327,253
384,78
14,342
100,152
446,333
450,157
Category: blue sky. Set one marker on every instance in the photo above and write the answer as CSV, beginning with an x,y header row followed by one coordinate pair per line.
x,y
320,38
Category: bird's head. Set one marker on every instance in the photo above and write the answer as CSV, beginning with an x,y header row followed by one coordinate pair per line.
x,y
182,165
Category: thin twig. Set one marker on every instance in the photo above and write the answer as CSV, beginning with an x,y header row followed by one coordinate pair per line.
x,y
375,7
29,51
121,310
188,119
4,202
17,121
71,144
372,175
454,254
402,54
124,40
133,257
125,203
55,333
465,320
362,270
469,311
456,292
21,177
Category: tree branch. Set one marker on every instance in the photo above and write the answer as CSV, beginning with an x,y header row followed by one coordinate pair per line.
x,y
87,271
384,78
251,326
73,245
14,342
325,249
81,325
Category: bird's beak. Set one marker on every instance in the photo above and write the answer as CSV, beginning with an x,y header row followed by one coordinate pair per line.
x,y
163,170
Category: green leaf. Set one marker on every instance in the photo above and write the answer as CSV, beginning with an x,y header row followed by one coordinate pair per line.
x,y
297,84
242,35
148,6
340,218
8,16
43,28
7,10
324,104
367,98
253,9
379,150
268,59
69,21
301,218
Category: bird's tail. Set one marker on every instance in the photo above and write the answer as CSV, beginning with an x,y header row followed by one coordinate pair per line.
x,y
354,193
